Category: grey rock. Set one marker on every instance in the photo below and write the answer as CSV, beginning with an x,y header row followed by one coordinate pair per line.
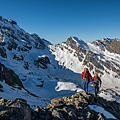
x,y
10,77
59,109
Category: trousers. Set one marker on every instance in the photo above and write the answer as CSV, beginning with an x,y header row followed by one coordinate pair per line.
x,y
86,85
96,88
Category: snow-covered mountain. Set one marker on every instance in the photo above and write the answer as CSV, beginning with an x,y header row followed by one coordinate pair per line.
x,y
94,55
42,70
27,58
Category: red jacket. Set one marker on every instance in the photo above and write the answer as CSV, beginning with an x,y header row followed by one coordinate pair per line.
x,y
86,76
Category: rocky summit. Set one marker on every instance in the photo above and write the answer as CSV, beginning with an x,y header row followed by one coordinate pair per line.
x,y
75,107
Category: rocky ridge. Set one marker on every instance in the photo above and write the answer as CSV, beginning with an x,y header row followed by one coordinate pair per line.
x,y
76,107
94,61
112,45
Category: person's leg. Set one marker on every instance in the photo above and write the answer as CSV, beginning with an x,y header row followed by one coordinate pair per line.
x,y
87,82
85,85
95,89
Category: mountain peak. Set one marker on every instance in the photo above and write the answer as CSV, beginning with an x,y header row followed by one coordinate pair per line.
x,y
74,41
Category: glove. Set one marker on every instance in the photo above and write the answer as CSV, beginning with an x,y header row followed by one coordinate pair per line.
x,y
83,80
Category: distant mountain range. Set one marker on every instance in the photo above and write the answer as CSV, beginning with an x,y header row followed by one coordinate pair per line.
x,y
36,70
101,56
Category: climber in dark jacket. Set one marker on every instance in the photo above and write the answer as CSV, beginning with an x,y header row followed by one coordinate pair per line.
x,y
97,83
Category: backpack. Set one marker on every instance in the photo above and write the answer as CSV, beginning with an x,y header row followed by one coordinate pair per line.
x,y
96,80
86,76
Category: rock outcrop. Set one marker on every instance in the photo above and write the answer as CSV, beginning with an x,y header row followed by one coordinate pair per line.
x,y
10,77
17,109
42,62
75,107
114,47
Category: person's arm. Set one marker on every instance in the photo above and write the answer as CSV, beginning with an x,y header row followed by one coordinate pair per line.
x,y
100,81
82,75
93,78
90,77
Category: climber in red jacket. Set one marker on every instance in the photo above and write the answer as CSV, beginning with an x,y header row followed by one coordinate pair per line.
x,y
86,77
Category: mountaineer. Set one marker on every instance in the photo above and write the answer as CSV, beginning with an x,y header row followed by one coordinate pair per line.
x,y
86,77
97,83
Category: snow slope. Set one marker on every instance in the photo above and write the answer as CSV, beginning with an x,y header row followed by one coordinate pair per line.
x,y
22,50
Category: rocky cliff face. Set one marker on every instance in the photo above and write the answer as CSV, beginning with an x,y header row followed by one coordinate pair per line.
x,y
10,77
114,47
76,107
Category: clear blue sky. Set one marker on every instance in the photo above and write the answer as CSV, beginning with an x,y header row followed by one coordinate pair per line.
x,y
56,20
